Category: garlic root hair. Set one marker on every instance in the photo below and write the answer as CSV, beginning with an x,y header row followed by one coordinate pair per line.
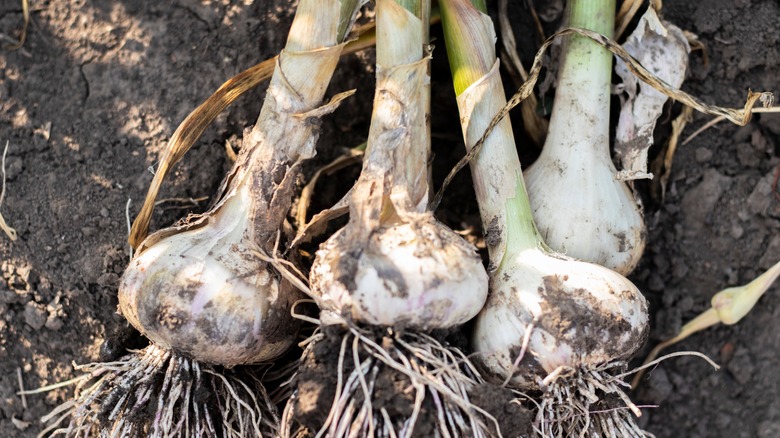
x,y
115,398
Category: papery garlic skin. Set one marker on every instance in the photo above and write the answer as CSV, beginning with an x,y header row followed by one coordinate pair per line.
x,y
580,315
417,275
205,294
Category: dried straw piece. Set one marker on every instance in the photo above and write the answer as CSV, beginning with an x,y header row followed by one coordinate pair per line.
x,y
10,232
663,163
26,23
193,126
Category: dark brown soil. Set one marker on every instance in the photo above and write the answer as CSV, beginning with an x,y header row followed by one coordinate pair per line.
x,y
91,98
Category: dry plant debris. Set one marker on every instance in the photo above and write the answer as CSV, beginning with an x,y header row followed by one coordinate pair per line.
x,y
10,232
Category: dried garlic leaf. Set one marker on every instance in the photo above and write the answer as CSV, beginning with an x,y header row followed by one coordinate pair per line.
x,y
663,49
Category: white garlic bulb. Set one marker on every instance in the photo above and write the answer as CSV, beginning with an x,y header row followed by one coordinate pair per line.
x,y
579,315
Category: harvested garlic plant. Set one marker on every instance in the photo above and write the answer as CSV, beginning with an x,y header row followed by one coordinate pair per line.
x,y
208,293
580,208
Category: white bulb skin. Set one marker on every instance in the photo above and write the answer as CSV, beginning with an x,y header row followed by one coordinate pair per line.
x,y
581,210
204,294
582,315
413,275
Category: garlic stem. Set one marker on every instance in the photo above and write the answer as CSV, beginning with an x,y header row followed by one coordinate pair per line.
x,y
470,28
580,117
469,37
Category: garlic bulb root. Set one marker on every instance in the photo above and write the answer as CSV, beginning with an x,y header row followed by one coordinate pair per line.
x,y
587,402
169,384
387,380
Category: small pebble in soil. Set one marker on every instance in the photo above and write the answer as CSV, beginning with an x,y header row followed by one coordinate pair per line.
x,y
761,198
698,202
772,253
655,283
759,142
769,429
53,323
747,155
13,167
657,387
741,366
703,155
737,231
34,315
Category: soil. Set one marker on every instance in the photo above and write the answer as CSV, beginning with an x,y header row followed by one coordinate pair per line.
x,y
88,103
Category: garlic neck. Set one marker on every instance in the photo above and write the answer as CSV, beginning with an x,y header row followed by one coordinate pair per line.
x,y
579,124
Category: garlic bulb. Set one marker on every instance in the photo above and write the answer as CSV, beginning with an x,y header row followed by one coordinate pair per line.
x,y
416,274
203,289
204,293
579,315
580,208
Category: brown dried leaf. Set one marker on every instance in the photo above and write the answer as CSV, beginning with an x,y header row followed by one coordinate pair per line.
x,y
354,156
25,25
662,165
318,223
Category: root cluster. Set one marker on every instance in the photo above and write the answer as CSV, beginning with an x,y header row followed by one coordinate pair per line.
x,y
434,381
587,403
156,393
